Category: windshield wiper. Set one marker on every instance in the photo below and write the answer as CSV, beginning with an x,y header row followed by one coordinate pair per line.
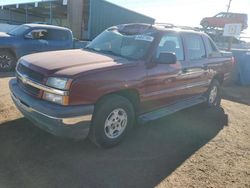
x,y
10,34
88,48
109,52
112,53
100,51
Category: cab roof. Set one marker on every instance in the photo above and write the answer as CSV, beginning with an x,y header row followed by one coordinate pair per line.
x,y
45,26
140,28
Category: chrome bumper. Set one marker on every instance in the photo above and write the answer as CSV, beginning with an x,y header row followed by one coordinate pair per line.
x,y
66,121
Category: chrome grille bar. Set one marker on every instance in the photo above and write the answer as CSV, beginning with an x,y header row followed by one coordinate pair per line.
x,y
28,81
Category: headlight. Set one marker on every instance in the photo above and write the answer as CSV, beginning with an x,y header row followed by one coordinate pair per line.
x,y
59,83
59,99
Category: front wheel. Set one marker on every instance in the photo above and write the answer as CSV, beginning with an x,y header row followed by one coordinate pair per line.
x,y
7,61
113,118
213,94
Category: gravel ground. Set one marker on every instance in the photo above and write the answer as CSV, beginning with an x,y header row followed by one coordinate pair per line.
x,y
193,148
8,111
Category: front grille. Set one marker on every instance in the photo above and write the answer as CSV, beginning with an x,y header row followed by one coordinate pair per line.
x,y
28,88
33,75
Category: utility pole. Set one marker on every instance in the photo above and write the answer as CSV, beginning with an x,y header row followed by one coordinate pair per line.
x,y
228,6
230,42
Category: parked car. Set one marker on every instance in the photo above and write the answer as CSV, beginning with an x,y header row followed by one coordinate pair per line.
x,y
31,38
127,73
222,18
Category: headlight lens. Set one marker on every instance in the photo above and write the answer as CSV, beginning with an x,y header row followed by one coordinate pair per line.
x,y
59,83
59,99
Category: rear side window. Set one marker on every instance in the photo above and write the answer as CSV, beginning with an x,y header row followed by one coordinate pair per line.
x,y
55,34
195,46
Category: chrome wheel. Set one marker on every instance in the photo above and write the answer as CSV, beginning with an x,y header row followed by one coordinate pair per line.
x,y
213,95
115,123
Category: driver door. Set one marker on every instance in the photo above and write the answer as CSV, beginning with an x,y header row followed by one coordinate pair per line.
x,y
165,83
34,41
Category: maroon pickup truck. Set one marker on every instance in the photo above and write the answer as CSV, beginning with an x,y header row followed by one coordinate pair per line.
x,y
132,72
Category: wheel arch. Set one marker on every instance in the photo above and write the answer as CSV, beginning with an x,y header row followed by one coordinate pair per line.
x,y
11,50
131,94
219,78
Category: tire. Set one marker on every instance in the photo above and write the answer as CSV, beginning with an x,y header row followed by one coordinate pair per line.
x,y
113,118
213,94
205,24
7,61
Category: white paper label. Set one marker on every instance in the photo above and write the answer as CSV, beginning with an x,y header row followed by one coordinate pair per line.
x,y
144,37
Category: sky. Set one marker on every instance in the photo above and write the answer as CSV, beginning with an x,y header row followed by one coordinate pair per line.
x,y
178,12
184,12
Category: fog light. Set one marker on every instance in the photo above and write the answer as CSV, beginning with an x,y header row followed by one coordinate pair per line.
x,y
59,99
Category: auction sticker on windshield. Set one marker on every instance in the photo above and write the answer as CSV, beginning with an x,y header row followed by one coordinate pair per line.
x,y
144,37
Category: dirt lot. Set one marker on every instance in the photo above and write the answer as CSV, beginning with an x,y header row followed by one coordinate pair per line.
x,y
193,148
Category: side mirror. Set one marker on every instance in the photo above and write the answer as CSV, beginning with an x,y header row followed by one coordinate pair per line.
x,y
167,58
28,36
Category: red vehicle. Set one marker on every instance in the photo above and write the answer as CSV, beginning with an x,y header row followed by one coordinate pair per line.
x,y
127,73
219,20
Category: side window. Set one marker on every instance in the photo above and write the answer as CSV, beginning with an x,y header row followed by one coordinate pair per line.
x,y
171,43
228,15
195,46
220,15
39,34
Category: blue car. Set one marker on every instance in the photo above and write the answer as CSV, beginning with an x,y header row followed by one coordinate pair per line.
x,y
32,38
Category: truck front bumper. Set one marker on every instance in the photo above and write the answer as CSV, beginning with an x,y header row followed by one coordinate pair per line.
x,y
65,121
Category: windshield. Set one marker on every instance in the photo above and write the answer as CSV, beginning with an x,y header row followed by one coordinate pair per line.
x,y
19,30
129,46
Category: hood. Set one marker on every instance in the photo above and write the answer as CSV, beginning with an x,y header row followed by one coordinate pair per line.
x,y
3,34
70,62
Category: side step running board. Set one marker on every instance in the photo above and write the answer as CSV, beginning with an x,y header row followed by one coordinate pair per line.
x,y
150,116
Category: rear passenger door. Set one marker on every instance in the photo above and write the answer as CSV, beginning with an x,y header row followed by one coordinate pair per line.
x,y
216,62
196,72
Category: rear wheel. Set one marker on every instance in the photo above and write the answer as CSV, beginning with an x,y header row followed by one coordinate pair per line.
x,y
7,61
205,24
113,118
213,94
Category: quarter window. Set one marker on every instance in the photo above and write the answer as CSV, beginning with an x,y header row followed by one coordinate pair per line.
x,y
54,34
